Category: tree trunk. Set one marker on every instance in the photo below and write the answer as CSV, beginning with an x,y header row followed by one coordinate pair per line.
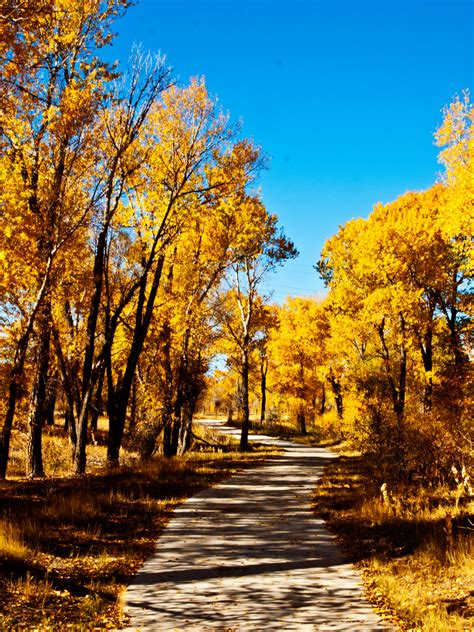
x,y
14,389
322,407
79,453
427,356
337,391
70,425
132,422
244,436
17,372
98,404
167,416
51,397
263,389
167,426
38,411
400,404
121,393
186,427
301,420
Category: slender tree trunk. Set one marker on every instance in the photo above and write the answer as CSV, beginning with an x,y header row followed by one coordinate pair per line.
x,y
51,397
301,420
322,407
70,425
79,458
186,427
132,422
337,391
263,389
37,415
97,403
244,437
16,374
400,404
14,389
184,390
167,416
121,393
427,356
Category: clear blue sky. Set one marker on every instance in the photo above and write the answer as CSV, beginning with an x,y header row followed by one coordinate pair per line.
x,y
343,95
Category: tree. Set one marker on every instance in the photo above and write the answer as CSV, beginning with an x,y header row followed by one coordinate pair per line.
x,y
241,311
298,354
51,84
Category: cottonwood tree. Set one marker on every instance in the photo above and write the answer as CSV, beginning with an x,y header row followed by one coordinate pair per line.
x,y
182,181
241,309
51,84
208,241
298,355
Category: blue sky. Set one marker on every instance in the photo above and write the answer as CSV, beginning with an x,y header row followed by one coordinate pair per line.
x,y
342,95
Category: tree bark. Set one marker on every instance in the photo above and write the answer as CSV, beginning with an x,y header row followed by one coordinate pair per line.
x,y
97,403
244,436
427,355
14,387
79,453
38,412
337,391
322,407
263,389
119,396
51,397
301,420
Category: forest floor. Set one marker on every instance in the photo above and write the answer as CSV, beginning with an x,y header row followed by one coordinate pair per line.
x,y
70,545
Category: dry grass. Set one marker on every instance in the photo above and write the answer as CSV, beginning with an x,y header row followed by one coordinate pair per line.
x,y
12,544
70,545
415,547
317,434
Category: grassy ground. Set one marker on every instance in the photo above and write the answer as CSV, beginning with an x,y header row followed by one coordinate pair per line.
x,y
415,548
70,545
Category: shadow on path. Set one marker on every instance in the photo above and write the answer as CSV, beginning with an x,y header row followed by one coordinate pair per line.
x,y
249,554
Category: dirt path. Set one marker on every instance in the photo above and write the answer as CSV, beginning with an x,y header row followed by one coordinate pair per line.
x,y
249,554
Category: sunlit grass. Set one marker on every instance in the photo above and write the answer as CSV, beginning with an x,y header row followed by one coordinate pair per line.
x,y
12,543
414,546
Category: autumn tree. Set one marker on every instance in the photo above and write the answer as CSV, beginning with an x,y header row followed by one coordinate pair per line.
x,y
209,238
298,355
241,310
51,85
400,304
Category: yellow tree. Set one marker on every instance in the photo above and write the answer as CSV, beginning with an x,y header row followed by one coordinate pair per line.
x,y
298,352
456,219
209,237
241,310
388,277
124,136
51,82
179,202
